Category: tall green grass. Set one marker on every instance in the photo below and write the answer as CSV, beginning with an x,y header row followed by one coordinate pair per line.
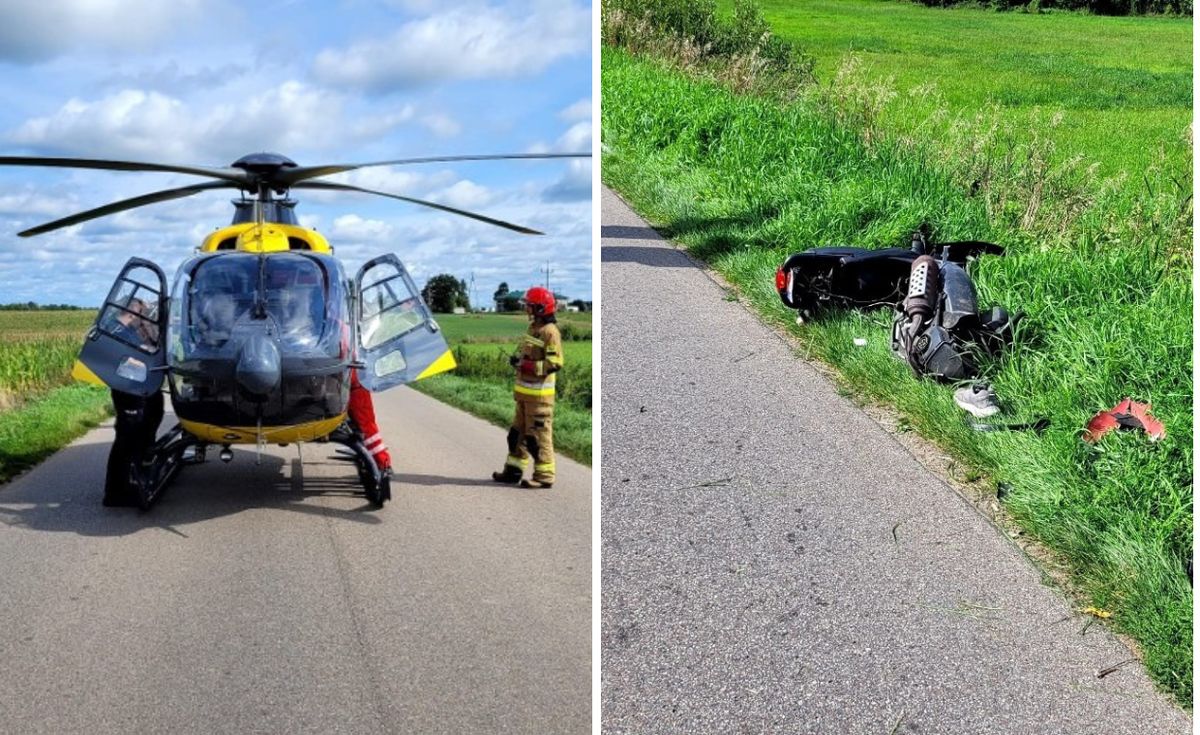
x,y
1105,282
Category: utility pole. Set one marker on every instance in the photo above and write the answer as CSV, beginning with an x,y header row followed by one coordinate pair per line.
x,y
548,276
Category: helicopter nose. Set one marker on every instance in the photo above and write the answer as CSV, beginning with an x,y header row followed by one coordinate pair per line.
x,y
258,365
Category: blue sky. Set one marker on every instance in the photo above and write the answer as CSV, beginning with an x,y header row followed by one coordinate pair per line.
x,y
343,81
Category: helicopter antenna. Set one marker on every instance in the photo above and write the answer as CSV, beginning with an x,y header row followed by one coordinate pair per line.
x,y
260,204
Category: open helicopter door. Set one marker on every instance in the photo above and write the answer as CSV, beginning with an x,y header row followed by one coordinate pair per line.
x,y
124,348
398,340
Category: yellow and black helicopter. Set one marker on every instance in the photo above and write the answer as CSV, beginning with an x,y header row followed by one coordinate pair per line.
x,y
262,326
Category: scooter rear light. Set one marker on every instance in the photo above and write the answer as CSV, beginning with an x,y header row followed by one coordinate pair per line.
x,y
781,279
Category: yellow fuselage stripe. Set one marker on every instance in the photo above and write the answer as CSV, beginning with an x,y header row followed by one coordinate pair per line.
x,y
305,432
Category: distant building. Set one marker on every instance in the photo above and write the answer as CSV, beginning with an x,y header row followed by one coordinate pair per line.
x,y
511,301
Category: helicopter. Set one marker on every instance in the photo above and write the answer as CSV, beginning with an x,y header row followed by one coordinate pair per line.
x,y
262,325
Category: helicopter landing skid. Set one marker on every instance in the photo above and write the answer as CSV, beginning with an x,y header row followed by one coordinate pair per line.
x,y
376,484
150,477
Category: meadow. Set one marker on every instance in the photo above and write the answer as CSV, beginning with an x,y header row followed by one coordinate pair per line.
x,y
1100,270
1123,86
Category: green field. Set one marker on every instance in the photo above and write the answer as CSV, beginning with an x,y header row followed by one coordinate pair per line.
x,y
40,410
1103,277
1123,85
482,383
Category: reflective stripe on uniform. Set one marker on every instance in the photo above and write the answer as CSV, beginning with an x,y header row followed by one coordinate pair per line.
x,y
518,462
549,467
539,390
530,339
373,439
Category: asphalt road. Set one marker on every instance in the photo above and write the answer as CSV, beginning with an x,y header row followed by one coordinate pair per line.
x,y
774,561
272,599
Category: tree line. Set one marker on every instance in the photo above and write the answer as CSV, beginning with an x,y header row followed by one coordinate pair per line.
x,y
444,293
1099,7
33,306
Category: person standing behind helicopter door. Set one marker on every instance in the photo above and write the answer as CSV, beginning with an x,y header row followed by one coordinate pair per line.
x,y
137,417
361,410
537,361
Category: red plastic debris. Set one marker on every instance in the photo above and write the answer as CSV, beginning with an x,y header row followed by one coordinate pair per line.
x,y
1128,414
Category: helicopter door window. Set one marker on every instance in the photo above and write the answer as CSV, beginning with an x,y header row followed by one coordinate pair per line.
x,y
130,312
389,307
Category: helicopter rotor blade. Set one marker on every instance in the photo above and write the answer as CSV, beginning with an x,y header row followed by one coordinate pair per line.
x,y
124,204
333,186
303,173
234,175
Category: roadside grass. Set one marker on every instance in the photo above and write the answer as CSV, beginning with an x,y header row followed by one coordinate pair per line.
x,y
39,428
40,409
1124,84
744,181
482,382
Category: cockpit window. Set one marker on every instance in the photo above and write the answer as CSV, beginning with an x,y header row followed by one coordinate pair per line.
x,y
222,294
296,299
294,288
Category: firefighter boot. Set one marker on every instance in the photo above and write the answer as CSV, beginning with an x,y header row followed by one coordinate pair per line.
x,y
516,461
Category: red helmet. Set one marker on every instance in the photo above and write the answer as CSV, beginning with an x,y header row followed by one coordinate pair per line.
x,y
541,301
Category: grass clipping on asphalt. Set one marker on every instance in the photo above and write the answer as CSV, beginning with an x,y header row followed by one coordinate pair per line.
x,y
1103,277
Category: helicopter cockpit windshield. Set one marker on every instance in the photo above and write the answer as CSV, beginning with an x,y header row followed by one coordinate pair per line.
x,y
293,298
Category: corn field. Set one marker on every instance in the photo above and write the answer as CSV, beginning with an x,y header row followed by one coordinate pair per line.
x,y
37,349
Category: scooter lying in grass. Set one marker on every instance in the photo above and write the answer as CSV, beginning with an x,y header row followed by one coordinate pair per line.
x,y
938,328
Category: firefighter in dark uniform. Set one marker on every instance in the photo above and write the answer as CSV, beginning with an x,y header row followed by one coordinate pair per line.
x,y
538,359
137,417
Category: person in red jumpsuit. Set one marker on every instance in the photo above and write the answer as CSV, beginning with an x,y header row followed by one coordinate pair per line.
x,y
362,413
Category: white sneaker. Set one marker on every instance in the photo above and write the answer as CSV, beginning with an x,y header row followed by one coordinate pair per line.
x,y
977,400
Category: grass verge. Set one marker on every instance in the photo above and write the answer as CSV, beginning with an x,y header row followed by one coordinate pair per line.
x,y
743,181
482,383
36,430
492,401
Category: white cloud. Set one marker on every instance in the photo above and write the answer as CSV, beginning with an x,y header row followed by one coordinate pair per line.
x,y
443,126
29,202
355,229
575,184
464,195
149,125
31,31
577,139
170,76
377,125
481,43
581,110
